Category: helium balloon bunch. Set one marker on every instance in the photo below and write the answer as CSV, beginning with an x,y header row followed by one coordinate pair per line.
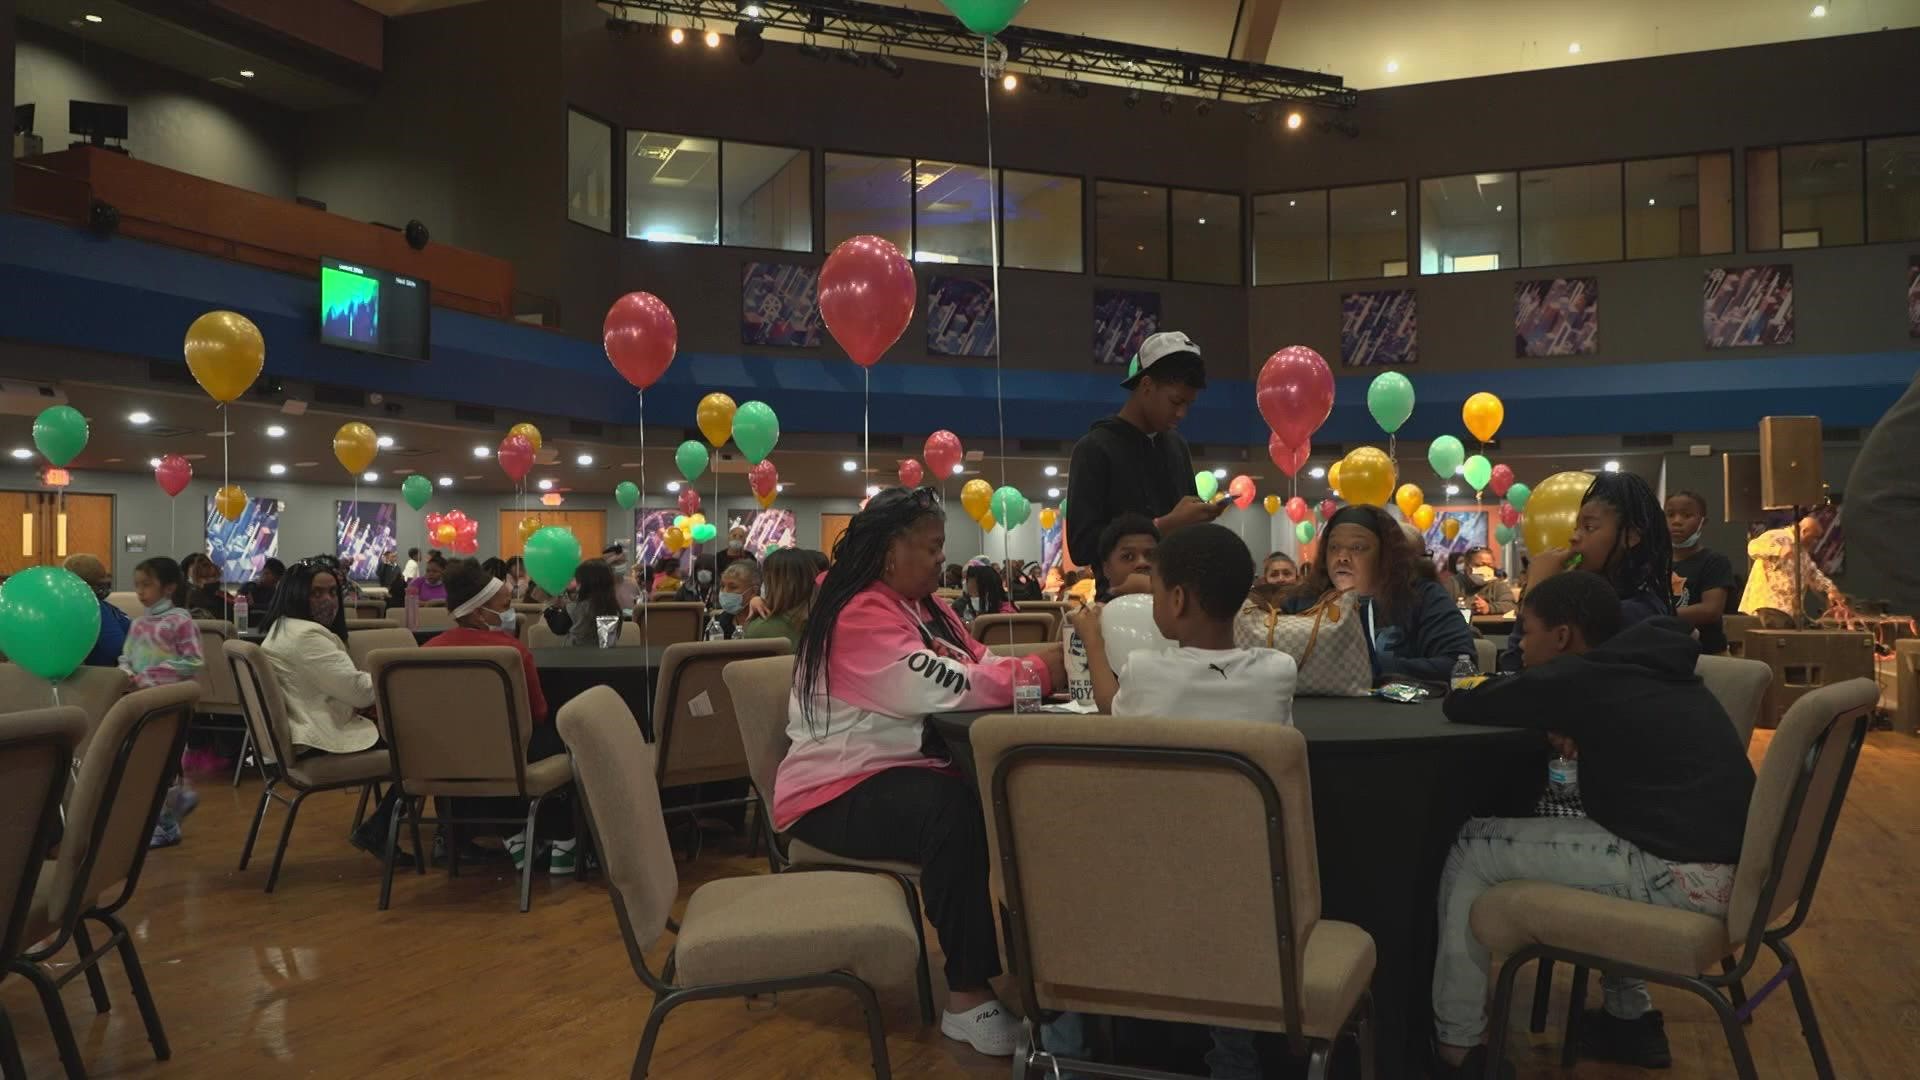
x,y
455,531
1295,394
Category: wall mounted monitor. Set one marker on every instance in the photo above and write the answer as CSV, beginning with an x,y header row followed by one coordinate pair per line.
x,y
374,310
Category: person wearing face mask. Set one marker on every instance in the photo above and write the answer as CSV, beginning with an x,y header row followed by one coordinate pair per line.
x,y
699,585
593,595
1702,577
739,587
1479,587
202,596
735,551
113,621
163,648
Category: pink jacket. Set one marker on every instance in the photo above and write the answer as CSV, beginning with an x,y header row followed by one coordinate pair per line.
x,y
887,671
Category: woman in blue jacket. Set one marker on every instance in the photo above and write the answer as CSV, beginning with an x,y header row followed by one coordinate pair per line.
x,y
1413,627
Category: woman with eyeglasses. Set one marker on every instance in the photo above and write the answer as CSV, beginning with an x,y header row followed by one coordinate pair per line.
x,y
878,654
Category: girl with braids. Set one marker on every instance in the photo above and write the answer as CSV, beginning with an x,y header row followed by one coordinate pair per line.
x,y
878,653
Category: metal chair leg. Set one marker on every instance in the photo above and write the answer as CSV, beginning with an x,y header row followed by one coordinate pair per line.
x,y
360,810
876,1030
393,841
240,759
416,809
1803,1004
286,833
1730,1024
1542,993
11,1066
56,1018
1736,991
1502,1007
1363,1037
96,984
532,850
142,994
253,830
1576,1015
662,1005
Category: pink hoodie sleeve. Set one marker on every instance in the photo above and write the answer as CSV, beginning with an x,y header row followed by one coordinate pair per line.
x,y
880,663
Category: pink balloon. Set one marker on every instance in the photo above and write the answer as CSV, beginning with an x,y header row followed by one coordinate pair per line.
x,y
1508,515
1298,510
640,338
763,478
1242,489
1502,480
867,293
689,501
1295,391
173,473
911,474
943,451
515,456
1288,458
1328,508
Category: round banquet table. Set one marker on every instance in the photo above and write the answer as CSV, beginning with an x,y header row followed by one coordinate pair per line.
x,y
1392,784
567,671
1494,626
421,637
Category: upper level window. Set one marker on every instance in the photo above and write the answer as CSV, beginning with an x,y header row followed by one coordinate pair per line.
x,y
673,188
589,171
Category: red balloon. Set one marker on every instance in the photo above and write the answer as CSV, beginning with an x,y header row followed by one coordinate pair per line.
x,y
1298,510
1295,391
1288,458
172,473
943,452
1502,480
763,478
1508,515
1242,489
911,474
1327,508
640,338
515,456
866,297
689,501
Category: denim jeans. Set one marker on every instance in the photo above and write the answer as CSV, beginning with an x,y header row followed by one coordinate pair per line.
x,y
1233,1056
1569,851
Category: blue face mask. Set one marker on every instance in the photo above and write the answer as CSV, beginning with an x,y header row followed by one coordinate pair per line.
x,y
732,602
509,621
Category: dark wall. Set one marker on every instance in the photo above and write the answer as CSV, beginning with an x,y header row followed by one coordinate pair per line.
x,y
7,25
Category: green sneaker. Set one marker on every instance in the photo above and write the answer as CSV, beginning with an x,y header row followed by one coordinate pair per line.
x,y
517,850
561,860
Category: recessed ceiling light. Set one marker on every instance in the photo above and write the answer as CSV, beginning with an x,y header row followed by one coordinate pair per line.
x,y
1819,12
545,485
1393,66
246,73
1051,470
1201,221
476,478
958,469
1220,473
1291,202
370,477
384,442
1316,472
673,485
872,490
1649,200
275,431
583,460
1393,213
1053,493
1573,48
780,487
481,451
1498,207
277,469
98,19
1612,466
139,418
153,463
446,481
21,453
849,466
1453,489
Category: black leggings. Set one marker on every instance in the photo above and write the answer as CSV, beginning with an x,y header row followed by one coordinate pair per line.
x,y
931,819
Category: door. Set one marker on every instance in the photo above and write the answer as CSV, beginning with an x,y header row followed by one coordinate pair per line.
x,y
589,527
41,528
831,526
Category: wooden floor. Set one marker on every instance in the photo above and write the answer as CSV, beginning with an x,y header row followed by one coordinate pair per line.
x,y
453,982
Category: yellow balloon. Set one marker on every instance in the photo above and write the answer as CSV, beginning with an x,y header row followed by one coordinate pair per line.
x,y
715,417
1422,517
1552,510
697,519
225,352
986,521
1483,414
532,433
1450,528
354,446
445,535
976,498
230,501
676,539
1366,477
1409,498
1048,516
528,526
767,499
1333,477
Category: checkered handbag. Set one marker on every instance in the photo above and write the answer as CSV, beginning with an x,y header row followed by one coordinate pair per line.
x,y
1328,642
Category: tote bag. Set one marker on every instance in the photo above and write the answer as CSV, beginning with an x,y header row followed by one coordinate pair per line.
x,y
1328,642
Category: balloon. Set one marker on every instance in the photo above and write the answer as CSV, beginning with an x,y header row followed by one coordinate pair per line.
x,y
416,489
1508,515
1503,535
1445,455
682,522
1287,458
60,433
1207,483
755,430
1303,532
1333,477
1126,625
1422,518
1482,414
1517,496
986,521
910,473
230,501
1272,504
1502,480
1328,508
691,459
1450,528
1390,400
676,539
703,533
1295,392
1552,509
1298,510
976,497
49,620
689,501
765,498
1366,477
445,535
532,433
867,293
552,556
1242,489
354,446
943,452
528,526
626,493
225,353
696,519
1048,517
172,474
1010,506
986,18
515,456
1478,470
763,478
1409,498
715,417
640,337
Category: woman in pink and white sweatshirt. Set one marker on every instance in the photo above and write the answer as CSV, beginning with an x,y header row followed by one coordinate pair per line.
x,y
880,652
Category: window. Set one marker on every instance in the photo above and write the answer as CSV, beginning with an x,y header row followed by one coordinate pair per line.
x,y
1679,206
1571,215
1041,222
1130,230
766,197
1290,237
1469,222
1368,227
673,188
1206,237
1893,189
869,195
952,213
1805,196
589,171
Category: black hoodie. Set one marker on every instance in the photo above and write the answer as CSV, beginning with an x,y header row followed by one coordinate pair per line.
x,y
1660,764
1119,469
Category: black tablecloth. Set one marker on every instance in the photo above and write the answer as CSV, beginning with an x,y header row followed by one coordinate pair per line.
x,y
567,671
1392,784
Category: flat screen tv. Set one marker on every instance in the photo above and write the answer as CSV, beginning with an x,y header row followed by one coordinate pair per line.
x,y
373,310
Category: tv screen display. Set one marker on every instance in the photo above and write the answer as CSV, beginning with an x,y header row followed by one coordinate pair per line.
x,y
373,310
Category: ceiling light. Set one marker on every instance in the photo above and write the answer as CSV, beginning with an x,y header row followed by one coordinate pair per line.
x,y
277,469
275,431
1166,104
583,460
545,485
1819,12
1649,200
1612,466
750,11
1220,474
370,477
673,485
97,19
872,490
712,39
1294,120
1498,207
384,442
153,463
1203,108
849,466
1292,202
1200,221
1009,81
958,469
779,487
1574,48
21,453
1317,472
246,73
1053,493
481,451
1393,213
892,67
676,35
1453,489
139,418
1393,66
1051,470
1132,98
446,481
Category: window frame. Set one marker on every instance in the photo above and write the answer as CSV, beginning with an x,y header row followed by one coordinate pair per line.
x,y
1519,256
1407,234
719,173
997,213
1326,230
1866,203
616,174
1241,250
1167,214
913,216
1000,220
814,210
1780,194
1736,193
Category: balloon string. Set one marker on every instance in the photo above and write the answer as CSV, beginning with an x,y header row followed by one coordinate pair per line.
x,y
646,601
866,428
993,234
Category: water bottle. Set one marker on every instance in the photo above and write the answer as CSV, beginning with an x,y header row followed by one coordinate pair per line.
x,y
1465,673
714,631
1563,777
1466,611
1026,686
240,611
413,608
740,631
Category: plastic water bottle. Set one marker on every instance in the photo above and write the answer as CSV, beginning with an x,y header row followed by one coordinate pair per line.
x,y
1464,672
240,612
739,631
1026,686
714,631
413,609
1563,777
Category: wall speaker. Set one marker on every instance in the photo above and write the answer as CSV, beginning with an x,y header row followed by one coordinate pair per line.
x,y
1740,480
1790,472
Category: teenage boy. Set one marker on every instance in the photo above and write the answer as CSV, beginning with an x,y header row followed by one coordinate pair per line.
x,y
1664,779
1126,556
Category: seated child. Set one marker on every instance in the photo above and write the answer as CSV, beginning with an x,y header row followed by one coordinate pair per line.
x,y
1664,779
1280,570
1126,555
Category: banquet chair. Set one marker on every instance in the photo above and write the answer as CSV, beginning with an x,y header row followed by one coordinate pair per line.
x,y
1790,822
432,617
1224,932
116,799
541,636
457,723
362,642
1486,653
36,754
1021,629
357,625
127,602
669,623
1055,608
693,721
93,689
219,697
739,937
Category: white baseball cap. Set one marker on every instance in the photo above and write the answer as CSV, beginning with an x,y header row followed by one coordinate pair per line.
x,y
1162,346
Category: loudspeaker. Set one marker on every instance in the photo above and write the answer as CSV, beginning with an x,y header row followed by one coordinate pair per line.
x,y
1740,480
1790,473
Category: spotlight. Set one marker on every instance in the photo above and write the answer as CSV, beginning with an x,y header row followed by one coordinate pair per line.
x,y
1294,120
1040,82
1009,82
748,42
1255,114
811,50
847,55
750,11
417,235
1202,108
1166,104
677,36
1076,88
889,65
712,39
1133,97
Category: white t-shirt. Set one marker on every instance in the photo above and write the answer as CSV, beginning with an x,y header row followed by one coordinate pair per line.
x,y
1243,684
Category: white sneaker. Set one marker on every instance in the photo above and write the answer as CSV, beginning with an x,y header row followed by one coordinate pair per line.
x,y
989,1029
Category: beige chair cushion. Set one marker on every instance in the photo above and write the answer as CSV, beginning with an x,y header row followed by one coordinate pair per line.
x,y
761,690
693,711
616,769
1740,686
1023,629
218,694
334,770
127,602
456,719
1486,653
543,778
1515,914
362,642
541,636
663,624
93,689
801,852
35,750
376,622
786,925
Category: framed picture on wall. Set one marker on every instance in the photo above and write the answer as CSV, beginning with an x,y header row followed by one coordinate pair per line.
x,y
1379,329
363,532
1747,305
1557,317
1121,321
961,320
1913,297
780,304
241,547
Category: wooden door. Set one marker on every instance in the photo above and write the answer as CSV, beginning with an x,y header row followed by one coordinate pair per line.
x,y
589,527
16,528
41,528
831,526
90,528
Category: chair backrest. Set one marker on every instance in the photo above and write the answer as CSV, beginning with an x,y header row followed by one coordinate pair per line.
x,y
1025,648
614,769
362,642
541,636
1796,803
36,752
454,715
372,624
261,701
127,602
218,693
761,689
432,618
1055,608
92,689
1201,835
1022,629
665,624
1486,654
1740,686
695,726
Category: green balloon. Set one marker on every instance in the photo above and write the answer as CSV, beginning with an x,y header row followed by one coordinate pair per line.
x,y
626,493
1063,508
691,458
680,521
1390,400
1517,496
1478,472
1010,508
1304,531
1445,455
416,489
1207,484
60,433
49,620
705,533
985,17
1502,535
755,430
552,554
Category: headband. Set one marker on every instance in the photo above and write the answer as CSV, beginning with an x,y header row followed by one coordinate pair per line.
x,y
1364,516
485,594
